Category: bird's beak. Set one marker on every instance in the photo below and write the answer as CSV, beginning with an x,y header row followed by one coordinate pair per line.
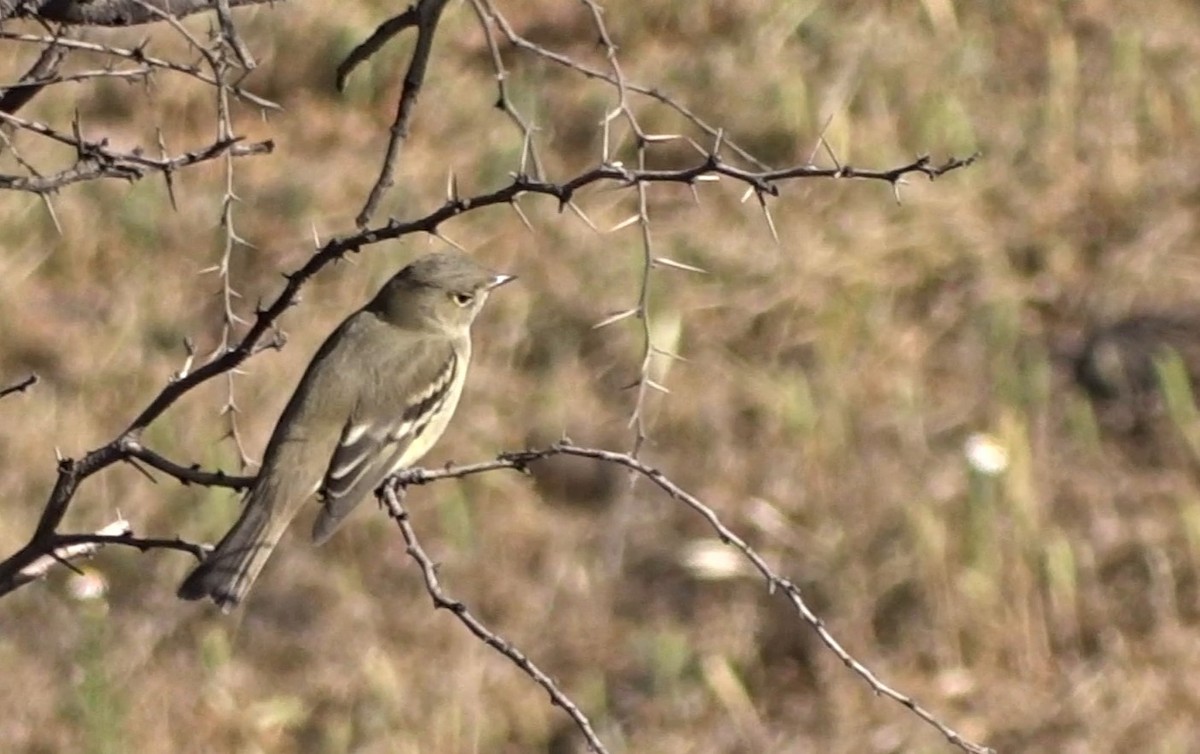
x,y
499,280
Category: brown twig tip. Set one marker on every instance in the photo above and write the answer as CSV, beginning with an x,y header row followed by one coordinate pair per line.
x,y
21,386
424,15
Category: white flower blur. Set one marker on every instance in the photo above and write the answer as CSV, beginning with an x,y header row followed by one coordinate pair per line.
x,y
985,454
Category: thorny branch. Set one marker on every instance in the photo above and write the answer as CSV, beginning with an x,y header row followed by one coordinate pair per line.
x,y
110,12
97,160
724,159
263,334
520,42
64,554
67,548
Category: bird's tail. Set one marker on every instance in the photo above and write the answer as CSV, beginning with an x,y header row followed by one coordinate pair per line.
x,y
231,568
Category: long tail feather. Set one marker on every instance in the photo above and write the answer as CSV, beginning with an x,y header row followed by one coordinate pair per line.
x,y
227,573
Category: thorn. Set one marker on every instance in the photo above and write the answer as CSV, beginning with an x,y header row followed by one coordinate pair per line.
x,y
615,318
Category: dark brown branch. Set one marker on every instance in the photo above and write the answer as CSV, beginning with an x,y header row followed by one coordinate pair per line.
x,y
19,387
110,12
97,160
774,582
428,13
63,554
46,542
529,153
391,495
375,43
71,473
65,548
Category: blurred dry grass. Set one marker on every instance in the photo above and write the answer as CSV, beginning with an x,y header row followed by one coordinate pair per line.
x,y
831,384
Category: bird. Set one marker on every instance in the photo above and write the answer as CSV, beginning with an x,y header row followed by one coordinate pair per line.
x,y
375,398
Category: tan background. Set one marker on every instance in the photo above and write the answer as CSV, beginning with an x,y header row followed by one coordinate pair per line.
x,y
831,383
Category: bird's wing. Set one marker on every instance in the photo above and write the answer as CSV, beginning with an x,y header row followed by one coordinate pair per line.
x,y
380,436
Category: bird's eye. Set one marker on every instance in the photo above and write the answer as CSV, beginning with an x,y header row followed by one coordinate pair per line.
x,y
463,299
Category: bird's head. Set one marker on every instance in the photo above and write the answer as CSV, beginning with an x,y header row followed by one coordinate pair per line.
x,y
445,289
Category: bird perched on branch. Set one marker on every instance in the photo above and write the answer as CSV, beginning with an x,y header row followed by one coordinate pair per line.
x,y
375,398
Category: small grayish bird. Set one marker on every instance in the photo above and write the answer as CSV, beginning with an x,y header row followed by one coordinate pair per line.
x,y
375,398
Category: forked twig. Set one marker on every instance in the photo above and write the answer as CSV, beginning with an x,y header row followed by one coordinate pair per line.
x,y
521,460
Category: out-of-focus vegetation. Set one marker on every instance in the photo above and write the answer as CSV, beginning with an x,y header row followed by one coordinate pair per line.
x,y
831,385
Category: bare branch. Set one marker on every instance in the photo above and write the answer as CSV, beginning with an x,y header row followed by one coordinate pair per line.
x,y
19,387
98,160
230,33
145,544
186,474
34,80
774,582
428,13
110,12
71,473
